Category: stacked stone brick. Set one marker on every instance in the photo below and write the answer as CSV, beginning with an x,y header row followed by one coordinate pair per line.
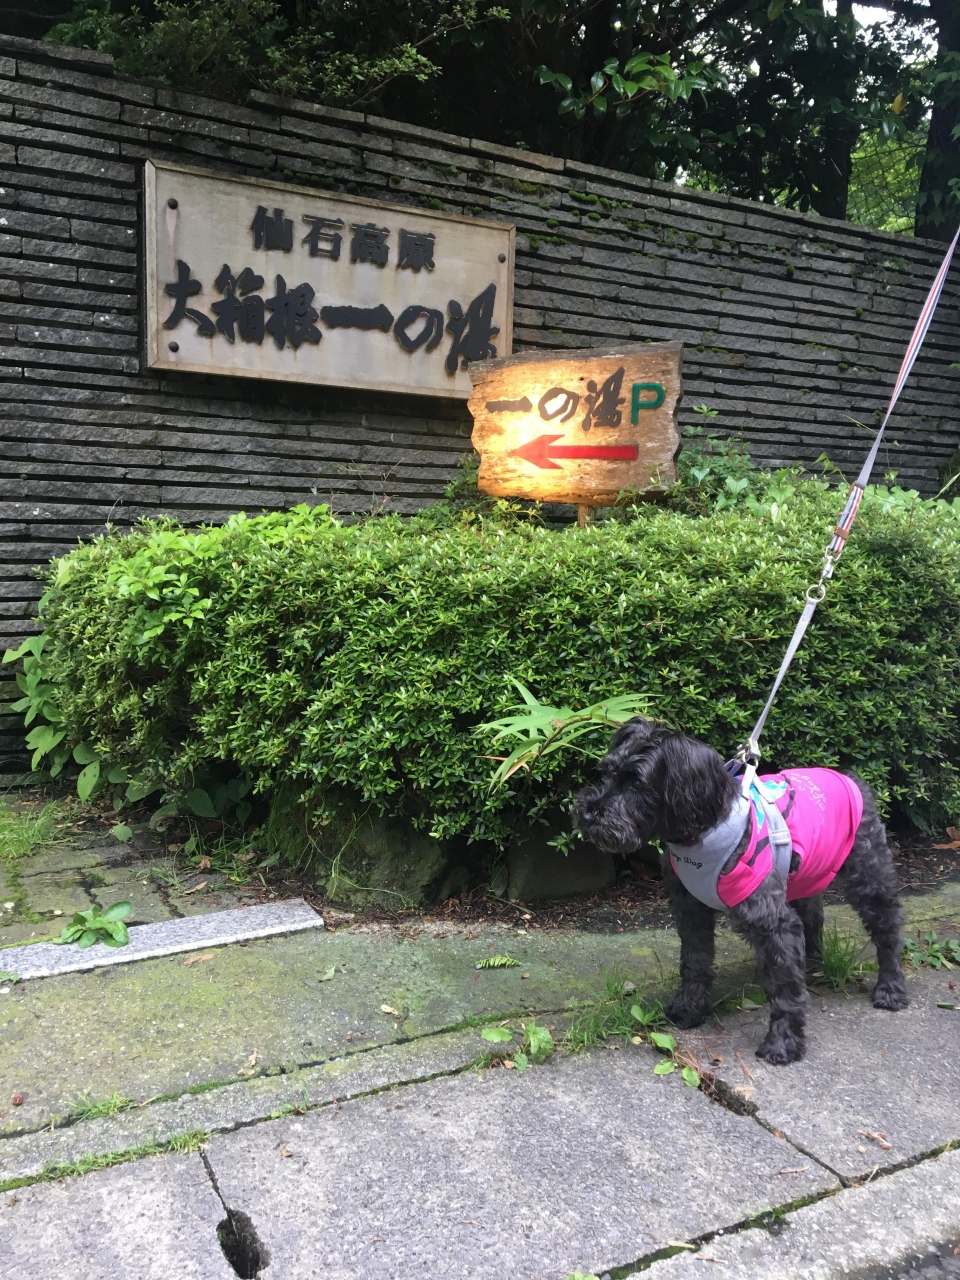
x,y
794,325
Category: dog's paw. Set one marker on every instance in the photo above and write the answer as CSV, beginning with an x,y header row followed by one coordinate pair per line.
x,y
891,996
780,1050
685,1016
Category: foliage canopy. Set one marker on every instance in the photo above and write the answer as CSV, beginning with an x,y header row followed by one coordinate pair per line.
x,y
354,664
767,99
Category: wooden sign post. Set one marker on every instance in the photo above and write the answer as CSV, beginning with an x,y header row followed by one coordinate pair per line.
x,y
581,427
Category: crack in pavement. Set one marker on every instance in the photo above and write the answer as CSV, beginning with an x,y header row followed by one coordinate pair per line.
x,y
771,1218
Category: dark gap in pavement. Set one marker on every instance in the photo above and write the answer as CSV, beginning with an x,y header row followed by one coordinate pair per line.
x,y
237,1235
241,1245
771,1221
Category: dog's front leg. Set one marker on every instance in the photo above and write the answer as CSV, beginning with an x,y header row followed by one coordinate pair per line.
x,y
776,933
695,924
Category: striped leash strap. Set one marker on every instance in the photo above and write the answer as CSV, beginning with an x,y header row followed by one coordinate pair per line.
x,y
749,752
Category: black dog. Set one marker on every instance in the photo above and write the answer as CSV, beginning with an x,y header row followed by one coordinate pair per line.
x,y
658,784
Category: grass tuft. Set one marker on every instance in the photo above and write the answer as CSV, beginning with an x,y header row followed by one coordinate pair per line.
x,y
181,1144
20,833
112,1106
840,958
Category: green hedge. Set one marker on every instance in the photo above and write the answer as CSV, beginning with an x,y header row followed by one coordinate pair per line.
x,y
352,663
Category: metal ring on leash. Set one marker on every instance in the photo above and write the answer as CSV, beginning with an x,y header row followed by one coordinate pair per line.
x,y
812,592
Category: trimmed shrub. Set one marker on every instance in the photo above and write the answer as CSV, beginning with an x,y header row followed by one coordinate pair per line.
x,y
347,667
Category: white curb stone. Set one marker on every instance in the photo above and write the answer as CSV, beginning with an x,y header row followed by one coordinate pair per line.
x,y
147,941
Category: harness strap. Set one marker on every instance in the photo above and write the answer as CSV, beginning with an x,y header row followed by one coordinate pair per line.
x,y
748,753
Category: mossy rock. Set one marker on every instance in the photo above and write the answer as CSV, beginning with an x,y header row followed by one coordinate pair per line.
x,y
373,860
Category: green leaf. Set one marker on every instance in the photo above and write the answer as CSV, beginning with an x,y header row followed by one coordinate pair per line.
x,y
497,962
84,754
199,802
664,1067
122,831
663,1041
165,811
117,774
691,1077
139,789
87,780
118,911
498,1035
42,740
87,938
644,1016
328,974
520,1061
237,788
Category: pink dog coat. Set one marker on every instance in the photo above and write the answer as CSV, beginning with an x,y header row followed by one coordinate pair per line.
x,y
809,814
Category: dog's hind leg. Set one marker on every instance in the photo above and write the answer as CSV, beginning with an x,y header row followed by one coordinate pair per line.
x,y
695,924
870,882
810,911
776,932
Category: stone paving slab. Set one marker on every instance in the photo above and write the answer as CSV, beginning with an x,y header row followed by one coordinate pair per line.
x,y
241,1103
583,1163
56,891
216,897
153,1220
122,885
169,937
164,1026
876,1225
866,1070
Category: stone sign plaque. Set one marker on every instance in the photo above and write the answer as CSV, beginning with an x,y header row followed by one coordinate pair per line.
x,y
581,427
260,279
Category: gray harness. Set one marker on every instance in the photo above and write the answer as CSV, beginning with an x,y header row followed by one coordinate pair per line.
x,y
700,865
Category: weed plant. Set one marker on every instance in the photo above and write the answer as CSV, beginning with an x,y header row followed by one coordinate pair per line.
x,y
748,997
936,953
612,1014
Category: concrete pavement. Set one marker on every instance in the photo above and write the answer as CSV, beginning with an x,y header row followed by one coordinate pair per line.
x,y
243,1112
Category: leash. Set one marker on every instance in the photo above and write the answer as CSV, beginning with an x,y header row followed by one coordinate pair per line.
x,y
748,753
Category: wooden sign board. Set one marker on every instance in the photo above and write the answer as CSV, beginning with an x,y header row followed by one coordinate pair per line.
x,y
581,427
260,279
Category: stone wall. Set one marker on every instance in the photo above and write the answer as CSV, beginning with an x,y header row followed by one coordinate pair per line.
x,y
793,324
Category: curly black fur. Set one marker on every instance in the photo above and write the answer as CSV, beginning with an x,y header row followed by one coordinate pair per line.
x,y
658,784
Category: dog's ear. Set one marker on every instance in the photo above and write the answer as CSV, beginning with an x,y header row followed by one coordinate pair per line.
x,y
697,789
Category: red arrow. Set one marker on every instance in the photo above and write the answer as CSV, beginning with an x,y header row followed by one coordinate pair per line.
x,y
540,450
